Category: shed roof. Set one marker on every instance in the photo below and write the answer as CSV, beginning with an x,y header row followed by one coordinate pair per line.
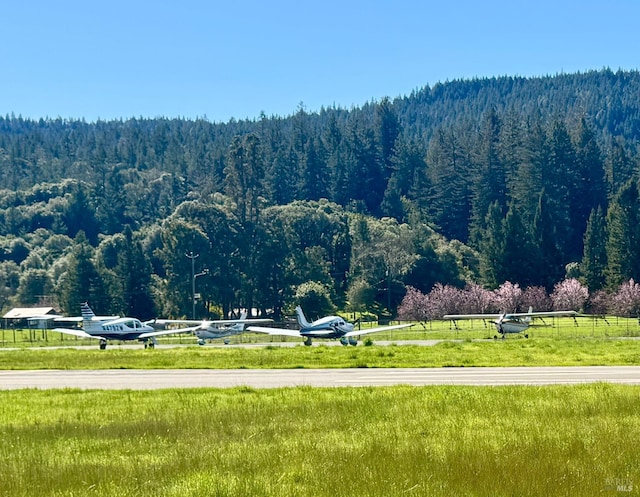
x,y
28,312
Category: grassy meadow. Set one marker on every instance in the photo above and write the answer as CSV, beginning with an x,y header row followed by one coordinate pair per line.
x,y
397,441
386,441
559,342
509,352
473,329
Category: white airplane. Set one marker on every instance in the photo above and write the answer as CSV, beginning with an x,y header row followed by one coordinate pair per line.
x,y
212,329
515,322
332,327
103,329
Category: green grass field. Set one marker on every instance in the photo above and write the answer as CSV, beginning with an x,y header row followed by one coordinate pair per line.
x,y
509,352
388,441
582,327
429,441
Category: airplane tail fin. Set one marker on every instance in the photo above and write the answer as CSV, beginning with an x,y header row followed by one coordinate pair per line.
x,y
302,320
87,316
528,318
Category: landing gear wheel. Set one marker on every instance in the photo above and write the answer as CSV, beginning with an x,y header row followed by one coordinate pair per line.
x,y
307,342
103,344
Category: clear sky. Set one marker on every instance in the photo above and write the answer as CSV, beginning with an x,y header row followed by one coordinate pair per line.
x,y
237,58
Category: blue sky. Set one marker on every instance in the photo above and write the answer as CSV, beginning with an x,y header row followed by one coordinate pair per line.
x,y
235,59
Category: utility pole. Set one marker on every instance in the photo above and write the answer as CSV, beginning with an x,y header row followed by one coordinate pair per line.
x,y
193,257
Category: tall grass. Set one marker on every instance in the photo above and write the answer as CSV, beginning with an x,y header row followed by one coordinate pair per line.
x,y
510,352
436,441
581,327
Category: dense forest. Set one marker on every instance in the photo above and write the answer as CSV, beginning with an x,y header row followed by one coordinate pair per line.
x,y
523,180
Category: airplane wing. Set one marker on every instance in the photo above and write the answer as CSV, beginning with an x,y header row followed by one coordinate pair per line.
x,y
541,314
473,316
78,333
366,331
208,322
544,314
150,334
275,331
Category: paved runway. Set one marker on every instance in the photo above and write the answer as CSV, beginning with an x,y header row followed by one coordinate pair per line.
x,y
272,378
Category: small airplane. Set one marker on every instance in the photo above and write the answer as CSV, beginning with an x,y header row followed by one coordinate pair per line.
x,y
515,322
212,329
103,329
331,327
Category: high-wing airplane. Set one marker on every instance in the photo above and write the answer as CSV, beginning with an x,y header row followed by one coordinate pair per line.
x,y
515,322
114,329
332,327
212,329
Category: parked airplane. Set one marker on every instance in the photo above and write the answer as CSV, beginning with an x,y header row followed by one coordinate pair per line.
x,y
515,322
212,329
332,327
114,329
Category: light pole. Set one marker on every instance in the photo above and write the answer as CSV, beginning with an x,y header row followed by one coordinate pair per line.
x,y
193,257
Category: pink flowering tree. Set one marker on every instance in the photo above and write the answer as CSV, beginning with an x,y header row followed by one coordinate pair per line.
x,y
476,300
626,301
413,306
599,303
443,300
508,297
569,295
537,298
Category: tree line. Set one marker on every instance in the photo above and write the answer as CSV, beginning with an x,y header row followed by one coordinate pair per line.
x,y
505,179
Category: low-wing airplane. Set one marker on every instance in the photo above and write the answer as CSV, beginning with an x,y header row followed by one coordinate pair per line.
x,y
114,329
212,329
332,327
515,322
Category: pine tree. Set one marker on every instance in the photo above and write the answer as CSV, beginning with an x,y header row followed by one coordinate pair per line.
x,y
547,261
133,271
489,182
590,191
594,260
517,253
82,282
388,131
491,248
560,180
623,239
445,196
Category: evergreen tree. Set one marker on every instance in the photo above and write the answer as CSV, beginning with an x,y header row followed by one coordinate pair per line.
x,y
590,191
623,240
313,181
517,254
594,260
133,271
446,201
620,166
525,186
489,182
82,282
244,176
389,129
560,180
391,205
491,248
547,262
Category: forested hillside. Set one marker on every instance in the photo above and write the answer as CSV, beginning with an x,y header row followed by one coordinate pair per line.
x,y
527,180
